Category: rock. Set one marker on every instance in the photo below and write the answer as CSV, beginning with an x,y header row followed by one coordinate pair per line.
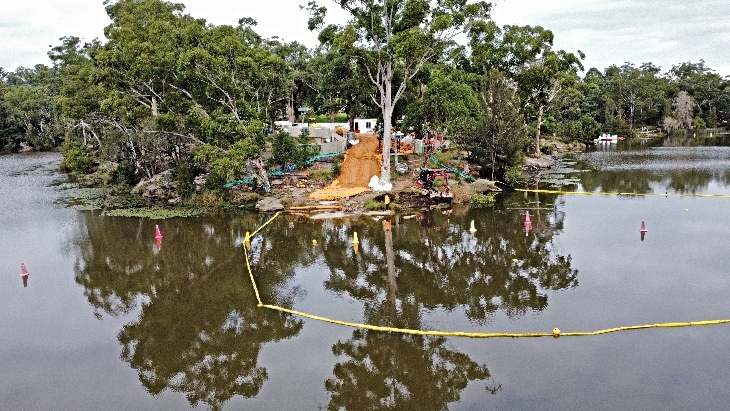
x,y
269,204
200,182
483,185
161,186
540,162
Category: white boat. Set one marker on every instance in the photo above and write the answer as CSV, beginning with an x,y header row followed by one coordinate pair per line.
x,y
606,138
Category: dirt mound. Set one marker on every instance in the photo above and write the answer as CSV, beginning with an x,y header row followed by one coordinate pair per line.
x,y
362,162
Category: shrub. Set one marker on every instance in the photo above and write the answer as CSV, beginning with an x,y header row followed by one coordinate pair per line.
x,y
479,200
77,158
374,205
124,173
185,179
337,166
512,175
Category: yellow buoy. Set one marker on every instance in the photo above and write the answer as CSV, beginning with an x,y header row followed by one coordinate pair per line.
x,y
314,242
556,332
354,239
247,240
472,229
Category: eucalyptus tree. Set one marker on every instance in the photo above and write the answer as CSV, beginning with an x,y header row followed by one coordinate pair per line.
x,y
498,143
233,79
447,105
710,92
638,92
393,39
540,72
145,102
80,92
11,130
29,98
338,81
526,56
299,87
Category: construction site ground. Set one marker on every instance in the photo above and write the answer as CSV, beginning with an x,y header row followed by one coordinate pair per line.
x,y
348,194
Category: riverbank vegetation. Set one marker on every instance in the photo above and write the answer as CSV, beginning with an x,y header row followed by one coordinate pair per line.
x,y
165,92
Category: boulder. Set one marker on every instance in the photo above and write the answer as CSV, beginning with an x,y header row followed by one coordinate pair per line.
x,y
269,204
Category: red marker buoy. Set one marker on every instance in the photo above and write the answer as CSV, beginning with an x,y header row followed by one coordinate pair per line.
x,y
527,218
23,271
157,232
643,227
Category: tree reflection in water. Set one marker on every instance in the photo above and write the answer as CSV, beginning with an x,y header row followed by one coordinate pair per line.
x,y
200,331
436,265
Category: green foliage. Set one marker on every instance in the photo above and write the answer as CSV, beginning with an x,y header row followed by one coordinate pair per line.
x,y
337,166
448,105
480,200
77,159
582,130
340,117
512,175
185,179
155,213
699,123
287,150
124,173
225,166
372,204
500,138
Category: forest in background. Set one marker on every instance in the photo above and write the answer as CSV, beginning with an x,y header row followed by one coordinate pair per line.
x,y
167,91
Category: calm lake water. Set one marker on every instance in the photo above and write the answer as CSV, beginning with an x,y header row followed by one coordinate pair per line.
x,y
109,320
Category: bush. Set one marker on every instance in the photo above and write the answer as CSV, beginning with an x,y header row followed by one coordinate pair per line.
x,y
512,175
124,173
479,200
287,150
77,159
185,180
374,205
337,166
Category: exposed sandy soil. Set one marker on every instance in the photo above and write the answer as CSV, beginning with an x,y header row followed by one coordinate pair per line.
x,y
362,162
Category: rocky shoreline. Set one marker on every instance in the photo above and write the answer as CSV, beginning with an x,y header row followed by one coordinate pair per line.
x,y
293,191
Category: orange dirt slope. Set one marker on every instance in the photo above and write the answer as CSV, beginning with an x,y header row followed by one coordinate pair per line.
x,y
362,162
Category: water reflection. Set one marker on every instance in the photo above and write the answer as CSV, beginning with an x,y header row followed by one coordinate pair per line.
x,y
24,274
200,332
672,165
383,371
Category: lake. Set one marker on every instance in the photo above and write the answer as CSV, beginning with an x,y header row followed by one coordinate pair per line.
x,y
109,319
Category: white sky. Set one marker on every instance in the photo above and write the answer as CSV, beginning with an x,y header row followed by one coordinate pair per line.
x,y
663,32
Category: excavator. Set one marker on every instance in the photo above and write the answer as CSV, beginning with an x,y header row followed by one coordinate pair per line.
x,y
425,180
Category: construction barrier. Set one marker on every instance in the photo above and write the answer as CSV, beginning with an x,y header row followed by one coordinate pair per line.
x,y
612,193
555,333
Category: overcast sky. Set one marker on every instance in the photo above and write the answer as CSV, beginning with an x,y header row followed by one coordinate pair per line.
x,y
663,32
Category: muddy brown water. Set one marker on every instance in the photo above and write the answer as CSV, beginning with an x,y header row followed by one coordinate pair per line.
x,y
109,320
